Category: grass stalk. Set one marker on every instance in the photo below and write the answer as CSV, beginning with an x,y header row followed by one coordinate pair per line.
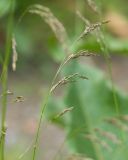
x,y
4,77
105,50
43,109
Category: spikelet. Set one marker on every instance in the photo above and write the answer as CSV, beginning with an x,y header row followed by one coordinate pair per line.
x,y
91,28
81,53
69,109
68,79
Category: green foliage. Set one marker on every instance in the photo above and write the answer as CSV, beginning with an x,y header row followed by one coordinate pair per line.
x,y
4,7
92,100
114,45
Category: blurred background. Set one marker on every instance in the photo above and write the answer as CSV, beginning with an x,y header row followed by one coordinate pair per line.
x,y
39,55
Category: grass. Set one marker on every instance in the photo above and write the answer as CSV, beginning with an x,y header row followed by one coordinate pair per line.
x,y
63,39
4,81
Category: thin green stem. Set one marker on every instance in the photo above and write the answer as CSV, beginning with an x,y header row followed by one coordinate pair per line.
x,y
109,68
113,86
43,108
108,62
4,77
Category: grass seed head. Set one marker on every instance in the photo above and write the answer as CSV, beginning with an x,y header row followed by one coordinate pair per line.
x,y
69,109
14,55
56,26
68,79
91,28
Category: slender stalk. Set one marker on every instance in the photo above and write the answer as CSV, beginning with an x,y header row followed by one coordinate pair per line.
x,y
109,68
108,62
42,113
43,108
4,77
105,50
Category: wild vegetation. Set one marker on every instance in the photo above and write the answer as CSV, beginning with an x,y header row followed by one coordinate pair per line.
x,y
90,108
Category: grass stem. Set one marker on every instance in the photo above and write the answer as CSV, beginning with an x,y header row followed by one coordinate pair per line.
x,y
4,77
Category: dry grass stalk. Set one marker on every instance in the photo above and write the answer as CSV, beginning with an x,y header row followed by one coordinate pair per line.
x,y
56,26
98,141
64,81
91,28
64,112
111,136
14,55
68,79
